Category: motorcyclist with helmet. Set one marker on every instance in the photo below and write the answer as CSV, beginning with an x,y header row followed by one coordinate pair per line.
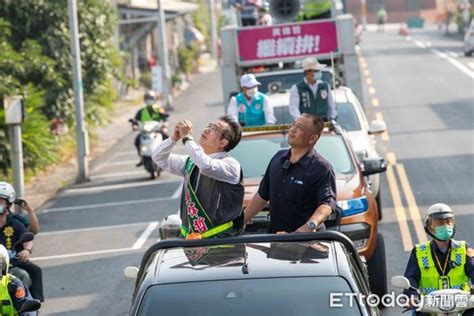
x,y
11,230
12,291
150,112
443,262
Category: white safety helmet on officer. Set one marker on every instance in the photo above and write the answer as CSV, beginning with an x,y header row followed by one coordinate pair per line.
x,y
444,215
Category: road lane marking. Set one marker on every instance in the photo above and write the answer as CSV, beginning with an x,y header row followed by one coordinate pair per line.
x,y
82,254
454,62
399,209
391,158
178,191
412,207
471,65
99,189
419,43
144,236
118,174
110,204
428,44
384,136
115,163
366,72
101,228
369,81
452,54
372,90
375,102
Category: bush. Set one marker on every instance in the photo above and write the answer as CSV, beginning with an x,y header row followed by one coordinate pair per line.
x,y
187,59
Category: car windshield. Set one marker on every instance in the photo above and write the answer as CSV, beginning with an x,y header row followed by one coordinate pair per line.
x,y
272,296
347,117
254,154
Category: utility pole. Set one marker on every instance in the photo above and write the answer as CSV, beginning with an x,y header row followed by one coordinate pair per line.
x,y
14,116
162,48
212,13
82,143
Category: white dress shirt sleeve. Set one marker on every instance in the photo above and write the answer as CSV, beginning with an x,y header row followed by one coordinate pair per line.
x,y
226,169
233,108
268,109
167,161
294,105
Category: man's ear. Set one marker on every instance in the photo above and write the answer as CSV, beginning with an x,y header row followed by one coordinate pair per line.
x,y
313,139
223,142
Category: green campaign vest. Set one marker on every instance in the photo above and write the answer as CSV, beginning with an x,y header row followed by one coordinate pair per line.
x,y
146,116
431,280
7,308
311,104
198,220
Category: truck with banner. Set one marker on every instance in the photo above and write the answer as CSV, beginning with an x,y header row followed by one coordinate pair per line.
x,y
274,53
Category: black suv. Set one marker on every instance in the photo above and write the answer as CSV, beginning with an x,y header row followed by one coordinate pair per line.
x,y
287,274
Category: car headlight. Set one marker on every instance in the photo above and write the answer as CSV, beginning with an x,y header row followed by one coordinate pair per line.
x,y
353,206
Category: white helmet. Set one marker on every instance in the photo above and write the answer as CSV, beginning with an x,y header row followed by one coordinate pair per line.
x,y
439,211
170,227
4,260
7,192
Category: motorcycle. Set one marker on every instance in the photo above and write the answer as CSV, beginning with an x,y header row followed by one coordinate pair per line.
x,y
151,135
446,302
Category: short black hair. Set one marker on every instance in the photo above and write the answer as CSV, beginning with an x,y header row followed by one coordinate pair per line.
x,y
233,134
317,121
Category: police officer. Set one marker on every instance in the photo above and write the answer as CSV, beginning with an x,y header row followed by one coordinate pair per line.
x,y
442,263
10,232
151,112
251,107
299,183
7,192
212,193
312,95
12,291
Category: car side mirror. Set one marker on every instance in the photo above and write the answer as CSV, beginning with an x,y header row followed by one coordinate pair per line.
x,y
373,166
377,127
131,272
400,282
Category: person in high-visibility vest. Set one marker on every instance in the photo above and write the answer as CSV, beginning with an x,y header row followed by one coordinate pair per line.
x,y
212,195
150,112
315,9
442,263
13,293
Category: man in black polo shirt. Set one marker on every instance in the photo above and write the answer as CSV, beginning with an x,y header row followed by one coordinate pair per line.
x,y
299,183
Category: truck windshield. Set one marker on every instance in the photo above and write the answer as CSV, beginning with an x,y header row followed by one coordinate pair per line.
x,y
272,296
331,147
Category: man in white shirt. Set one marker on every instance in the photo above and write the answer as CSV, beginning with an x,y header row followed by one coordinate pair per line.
x,y
312,95
251,107
211,202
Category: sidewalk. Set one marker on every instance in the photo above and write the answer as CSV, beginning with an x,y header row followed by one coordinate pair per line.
x,y
49,182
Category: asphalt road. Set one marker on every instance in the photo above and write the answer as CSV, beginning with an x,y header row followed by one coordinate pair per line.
x,y
422,87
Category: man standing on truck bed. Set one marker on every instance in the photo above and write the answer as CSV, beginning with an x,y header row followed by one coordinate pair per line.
x,y
312,95
251,107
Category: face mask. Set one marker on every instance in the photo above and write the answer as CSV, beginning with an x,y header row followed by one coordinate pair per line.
x,y
149,102
318,75
251,92
444,232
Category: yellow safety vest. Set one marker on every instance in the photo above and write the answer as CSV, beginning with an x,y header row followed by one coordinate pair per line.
x,y
6,303
431,280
